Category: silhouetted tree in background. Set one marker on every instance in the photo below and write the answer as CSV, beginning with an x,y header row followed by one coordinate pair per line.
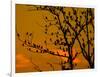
x,y
70,24
68,32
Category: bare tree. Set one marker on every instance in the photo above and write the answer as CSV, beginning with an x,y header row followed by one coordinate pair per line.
x,y
66,37
70,24
67,32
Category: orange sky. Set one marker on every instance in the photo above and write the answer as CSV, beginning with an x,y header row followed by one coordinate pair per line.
x,y
33,22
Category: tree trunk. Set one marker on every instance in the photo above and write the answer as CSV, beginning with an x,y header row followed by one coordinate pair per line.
x,y
91,64
70,57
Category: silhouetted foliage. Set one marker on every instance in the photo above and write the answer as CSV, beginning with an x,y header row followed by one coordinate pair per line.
x,y
67,33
